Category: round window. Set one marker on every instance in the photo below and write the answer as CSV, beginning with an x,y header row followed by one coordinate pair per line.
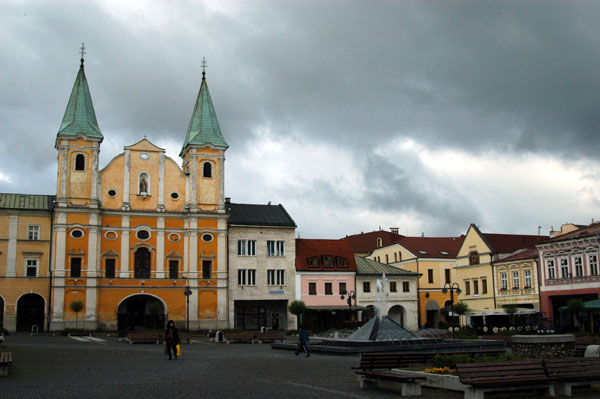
x,y
174,196
174,237
76,233
207,237
142,234
112,193
111,235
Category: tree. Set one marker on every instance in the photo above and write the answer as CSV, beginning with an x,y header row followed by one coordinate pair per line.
x,y
76,306
575,306
297,308
461,309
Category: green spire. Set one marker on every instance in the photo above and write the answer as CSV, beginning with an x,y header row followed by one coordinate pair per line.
x,y
79,115
204,126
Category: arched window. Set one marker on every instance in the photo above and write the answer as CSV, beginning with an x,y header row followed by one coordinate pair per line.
x,y
79,162
144,184
207,169
379,242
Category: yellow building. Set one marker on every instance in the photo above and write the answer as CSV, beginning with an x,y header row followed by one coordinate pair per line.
x,y
517,278
475,266
25,222
142,240
434,259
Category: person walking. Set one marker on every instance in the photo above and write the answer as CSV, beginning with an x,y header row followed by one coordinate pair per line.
x,y
171,339
302,342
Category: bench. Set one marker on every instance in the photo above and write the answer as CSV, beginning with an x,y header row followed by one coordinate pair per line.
x,y
239,337
503,376
581,343
375,371
135,338
269,337
185,337
572,371
5,361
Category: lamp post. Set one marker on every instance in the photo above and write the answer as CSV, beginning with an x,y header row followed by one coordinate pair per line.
x,y
451,287
187,292
351,295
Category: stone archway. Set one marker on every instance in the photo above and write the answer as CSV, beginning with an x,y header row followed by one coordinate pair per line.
x,y
141,312
30,312
397,314
432,314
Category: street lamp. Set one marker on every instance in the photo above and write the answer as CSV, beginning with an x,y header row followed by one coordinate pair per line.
x,y
187,292
351,295
451,287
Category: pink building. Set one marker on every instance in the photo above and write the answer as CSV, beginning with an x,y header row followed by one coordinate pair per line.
x,y
326,270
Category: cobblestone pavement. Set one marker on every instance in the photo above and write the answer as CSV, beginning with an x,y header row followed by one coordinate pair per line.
x,y
63,367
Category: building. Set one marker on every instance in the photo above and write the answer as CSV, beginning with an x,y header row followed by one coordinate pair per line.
x,y
26,226
393,291
475,265
262,272
434,259
569,269
364,244
326,270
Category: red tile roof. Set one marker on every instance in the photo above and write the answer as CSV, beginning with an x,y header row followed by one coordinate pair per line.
x,y
367,242
509,243
520,255
307,248
433,247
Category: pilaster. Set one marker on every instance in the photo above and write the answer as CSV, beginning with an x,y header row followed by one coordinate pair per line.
x,y
11,256
160,247
126,206
124,247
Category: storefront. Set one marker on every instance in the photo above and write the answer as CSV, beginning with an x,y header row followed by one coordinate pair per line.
x,y
254,315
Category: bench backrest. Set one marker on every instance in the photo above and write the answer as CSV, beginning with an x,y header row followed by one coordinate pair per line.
x,y
572,367
493,373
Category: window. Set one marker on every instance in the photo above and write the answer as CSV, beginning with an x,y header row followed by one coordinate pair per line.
x,y
475,287
447,275
207,169
379,242
527,277
328,260
328,288
173,269
430,276
578,262
79,162
33,232
270,277
503,281
275,248
75,267
313,261
31,267
207,237
393,287
109,268
112,193
247,277
142,235
366,286
467,288
312,288
405,286
551,275
341,261
484,286
76,233
174,196
241,276
395,257
342,288
473,258
387,259
247,247
564,268
399,256
251,277
593,261
280,277
206,268
515,279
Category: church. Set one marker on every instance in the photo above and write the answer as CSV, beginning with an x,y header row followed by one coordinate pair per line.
x,y
128,246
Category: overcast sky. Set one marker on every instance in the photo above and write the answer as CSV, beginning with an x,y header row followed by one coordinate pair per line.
x,y
355,115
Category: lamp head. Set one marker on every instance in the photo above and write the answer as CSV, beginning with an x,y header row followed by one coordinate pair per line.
x,y
444,290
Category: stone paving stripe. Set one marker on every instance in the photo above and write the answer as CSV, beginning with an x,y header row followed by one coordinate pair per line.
x,y
308,386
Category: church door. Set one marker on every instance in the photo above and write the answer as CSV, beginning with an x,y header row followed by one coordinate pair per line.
x,y
142,263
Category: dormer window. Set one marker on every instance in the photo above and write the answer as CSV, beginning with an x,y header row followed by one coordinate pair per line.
x,y
341,261
313,261
327,260
207,169
79,162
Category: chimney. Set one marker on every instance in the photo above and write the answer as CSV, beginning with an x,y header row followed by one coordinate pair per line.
x,y
228,200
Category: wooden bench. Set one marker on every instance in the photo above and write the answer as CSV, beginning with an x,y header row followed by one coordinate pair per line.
x,y
503,376
5,361
581,343
239,337
135,338
572,371
375,371
269,337
185,337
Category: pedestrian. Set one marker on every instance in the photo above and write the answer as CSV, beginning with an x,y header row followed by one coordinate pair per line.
x,y
302,342
171,339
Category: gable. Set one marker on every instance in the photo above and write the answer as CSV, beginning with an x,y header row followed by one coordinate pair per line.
x,y
474,241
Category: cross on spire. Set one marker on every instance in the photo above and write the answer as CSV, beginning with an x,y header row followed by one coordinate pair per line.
x,y
82,52
203,67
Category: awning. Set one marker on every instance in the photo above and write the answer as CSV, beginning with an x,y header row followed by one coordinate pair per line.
x,y
336,308
594,304
502,312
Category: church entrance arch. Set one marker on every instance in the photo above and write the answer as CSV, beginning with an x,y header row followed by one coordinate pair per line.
x,y
142,263
141,312
397,313
30,312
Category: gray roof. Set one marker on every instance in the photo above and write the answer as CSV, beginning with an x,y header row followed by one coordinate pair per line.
x,y
367,266
259,215
27,201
